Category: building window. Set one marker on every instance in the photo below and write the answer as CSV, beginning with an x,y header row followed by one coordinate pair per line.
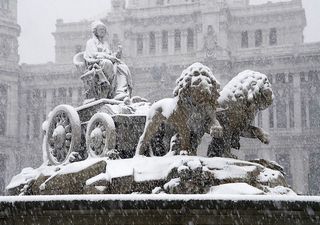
x,y
61,97
80,95
70,92
280,78
270,78
273,36
258,38
164,40
3,109
291,113
259,119
281,109
36,125
290,77
313,76
303,114
190,39
4,4
160,2
152,43
177,39
28,127
2,185
314,175
244,39
314,113
302,77
271,117
140,44
284,161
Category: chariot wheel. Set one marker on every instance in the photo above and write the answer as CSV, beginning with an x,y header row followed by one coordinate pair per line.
x,y
100,135
63,135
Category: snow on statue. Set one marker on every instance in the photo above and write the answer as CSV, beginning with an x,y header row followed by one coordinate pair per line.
x,y
105,75
192,108
242,98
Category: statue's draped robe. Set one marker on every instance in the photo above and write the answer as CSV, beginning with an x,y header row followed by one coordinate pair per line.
x,y
118,74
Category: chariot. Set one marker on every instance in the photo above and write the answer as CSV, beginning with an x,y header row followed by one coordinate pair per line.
x,y
93,129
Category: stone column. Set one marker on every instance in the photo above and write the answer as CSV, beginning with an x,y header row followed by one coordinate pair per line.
x,y
297,102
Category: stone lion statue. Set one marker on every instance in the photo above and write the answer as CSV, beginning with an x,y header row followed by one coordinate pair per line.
x,y
241,99
193,105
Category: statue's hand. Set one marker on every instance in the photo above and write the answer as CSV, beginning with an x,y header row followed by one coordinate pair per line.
x,y
216,131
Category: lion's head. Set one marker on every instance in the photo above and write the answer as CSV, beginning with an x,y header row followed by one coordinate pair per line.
x,y
248,87
197,84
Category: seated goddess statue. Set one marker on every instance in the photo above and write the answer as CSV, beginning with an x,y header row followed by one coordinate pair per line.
x,y
112,77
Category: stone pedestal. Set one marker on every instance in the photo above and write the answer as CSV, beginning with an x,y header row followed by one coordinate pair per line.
x,y
159,209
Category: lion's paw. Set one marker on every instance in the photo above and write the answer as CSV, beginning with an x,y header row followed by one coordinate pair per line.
x,y
265,138
216,131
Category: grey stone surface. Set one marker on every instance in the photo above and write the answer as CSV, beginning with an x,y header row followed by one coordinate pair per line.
x,y
163,211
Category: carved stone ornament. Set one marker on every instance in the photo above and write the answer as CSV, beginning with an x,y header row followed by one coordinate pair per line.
x,y
5,48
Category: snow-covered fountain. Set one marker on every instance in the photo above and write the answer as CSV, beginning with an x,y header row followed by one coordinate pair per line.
x,y
118,159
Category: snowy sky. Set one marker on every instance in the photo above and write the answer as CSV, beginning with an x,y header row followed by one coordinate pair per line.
x,y
37,20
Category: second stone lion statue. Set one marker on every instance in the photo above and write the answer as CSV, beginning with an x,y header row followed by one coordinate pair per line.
x,y
242,98
192,108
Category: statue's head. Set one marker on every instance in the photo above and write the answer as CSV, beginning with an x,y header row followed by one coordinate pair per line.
x,y
99,29
197,85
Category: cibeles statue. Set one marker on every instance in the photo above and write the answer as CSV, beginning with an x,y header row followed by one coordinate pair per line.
x,y
105,75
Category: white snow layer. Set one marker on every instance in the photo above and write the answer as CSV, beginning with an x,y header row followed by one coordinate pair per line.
x,y
167,197
157,168
247,82
235,189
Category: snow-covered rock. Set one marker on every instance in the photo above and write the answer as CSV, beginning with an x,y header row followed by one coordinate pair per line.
x,y
169,174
